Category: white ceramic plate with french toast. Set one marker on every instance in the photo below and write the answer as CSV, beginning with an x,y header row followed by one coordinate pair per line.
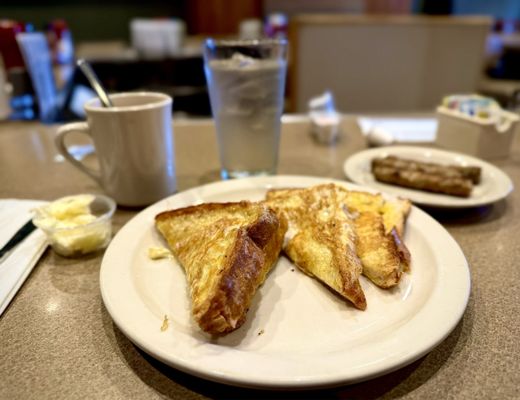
x,y
495,185
298,334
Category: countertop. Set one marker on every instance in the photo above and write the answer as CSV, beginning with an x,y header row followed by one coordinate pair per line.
x,y
57,341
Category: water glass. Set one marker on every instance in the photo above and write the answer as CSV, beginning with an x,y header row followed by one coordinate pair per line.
x,y
246,80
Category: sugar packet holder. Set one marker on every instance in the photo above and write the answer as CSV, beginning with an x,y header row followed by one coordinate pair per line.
x,y
482,137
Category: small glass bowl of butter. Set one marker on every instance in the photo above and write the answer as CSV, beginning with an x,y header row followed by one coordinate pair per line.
x,y
77,225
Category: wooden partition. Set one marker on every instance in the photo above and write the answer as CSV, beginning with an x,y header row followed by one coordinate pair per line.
x,y
384,63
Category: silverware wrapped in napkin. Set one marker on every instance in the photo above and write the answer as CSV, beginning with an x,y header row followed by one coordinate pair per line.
x,y
19,261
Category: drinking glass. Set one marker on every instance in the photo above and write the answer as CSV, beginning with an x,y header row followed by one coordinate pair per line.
x,y
246,80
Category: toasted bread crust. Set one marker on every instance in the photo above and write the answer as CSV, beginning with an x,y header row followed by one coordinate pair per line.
x,y
241,276
243,238
200,208
404,253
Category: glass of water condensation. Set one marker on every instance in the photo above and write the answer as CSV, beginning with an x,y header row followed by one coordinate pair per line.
x,y
246,80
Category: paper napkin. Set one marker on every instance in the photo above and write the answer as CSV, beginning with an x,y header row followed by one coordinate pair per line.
x,y
403,129
19,263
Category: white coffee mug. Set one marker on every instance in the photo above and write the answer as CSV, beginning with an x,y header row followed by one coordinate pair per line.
x,y
134,144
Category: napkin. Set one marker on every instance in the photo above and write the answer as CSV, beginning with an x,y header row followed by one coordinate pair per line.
x,y
19,263
402,130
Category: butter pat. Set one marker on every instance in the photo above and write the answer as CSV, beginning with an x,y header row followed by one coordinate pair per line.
x,y
68,212
71,207
157,253
77,225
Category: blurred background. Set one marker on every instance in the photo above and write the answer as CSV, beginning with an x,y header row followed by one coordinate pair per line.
x,y
374,55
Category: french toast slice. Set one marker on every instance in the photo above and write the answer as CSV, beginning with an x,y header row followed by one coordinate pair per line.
x,y
321,238
226,250
383,255
395,212
383,252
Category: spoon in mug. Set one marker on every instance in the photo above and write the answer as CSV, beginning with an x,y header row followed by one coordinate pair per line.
x,y
94,82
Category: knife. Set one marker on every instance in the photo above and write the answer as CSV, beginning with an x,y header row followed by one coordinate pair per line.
x,y
19,236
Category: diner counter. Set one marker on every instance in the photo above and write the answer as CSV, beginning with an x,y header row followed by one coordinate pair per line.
x,y
57,340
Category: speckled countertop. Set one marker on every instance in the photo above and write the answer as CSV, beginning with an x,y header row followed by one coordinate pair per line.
x,y
57,340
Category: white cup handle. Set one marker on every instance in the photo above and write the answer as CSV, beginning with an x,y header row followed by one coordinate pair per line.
x,y
59,140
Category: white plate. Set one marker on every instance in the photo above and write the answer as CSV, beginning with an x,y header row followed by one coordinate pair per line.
x,y
298,334
495,184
